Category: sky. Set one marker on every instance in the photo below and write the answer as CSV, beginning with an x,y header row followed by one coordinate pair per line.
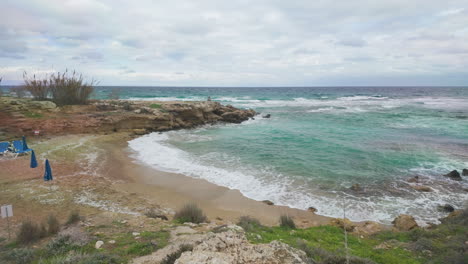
x,y
238,42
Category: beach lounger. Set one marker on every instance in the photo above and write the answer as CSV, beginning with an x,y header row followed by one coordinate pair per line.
x,y
4,147
18,148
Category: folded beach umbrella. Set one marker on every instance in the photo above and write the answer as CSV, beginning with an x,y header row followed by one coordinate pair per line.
x,y
48,171
25,146
33,160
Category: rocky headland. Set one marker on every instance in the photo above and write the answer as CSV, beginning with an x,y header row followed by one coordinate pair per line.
x,y
107,116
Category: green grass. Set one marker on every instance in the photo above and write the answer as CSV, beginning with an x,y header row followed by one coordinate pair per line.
x,y
332,239
32,115
155,106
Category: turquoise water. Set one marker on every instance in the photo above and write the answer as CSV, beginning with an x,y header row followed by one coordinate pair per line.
x,y
320,141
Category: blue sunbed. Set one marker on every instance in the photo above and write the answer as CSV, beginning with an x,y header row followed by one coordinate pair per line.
x,y
18,147
4,147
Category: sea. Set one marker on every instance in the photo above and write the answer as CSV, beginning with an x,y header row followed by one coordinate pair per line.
x,y
319,142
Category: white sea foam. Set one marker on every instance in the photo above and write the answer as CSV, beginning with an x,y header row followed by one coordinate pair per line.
x,y
261,184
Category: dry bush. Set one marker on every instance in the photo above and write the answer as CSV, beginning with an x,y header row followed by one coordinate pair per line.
x,y
74,217
28,233
248,223
53,225
38,88
190,213
70,89
20,91
287,222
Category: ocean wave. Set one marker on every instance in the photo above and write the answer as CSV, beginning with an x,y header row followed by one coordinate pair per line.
x,y
265,184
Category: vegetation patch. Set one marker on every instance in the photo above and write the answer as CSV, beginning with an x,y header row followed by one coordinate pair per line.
x,y
327,241
155,106
190,213
171,258
33,115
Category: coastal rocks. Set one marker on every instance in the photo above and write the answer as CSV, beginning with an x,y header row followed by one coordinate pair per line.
x,y
454,175
465,172
404,222
268,202
368,228
312,209
233,247
343,223
446,208
266,116
421,188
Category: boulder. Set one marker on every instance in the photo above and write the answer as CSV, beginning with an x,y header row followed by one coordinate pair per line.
x,y
404,222
465,172
232,247
446,208
268,202
266,116
312,209
421,188
343,223
454,175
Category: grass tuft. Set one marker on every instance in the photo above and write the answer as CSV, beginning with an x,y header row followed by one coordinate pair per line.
x,y
53,225
248,223
287,222
190,213
74,217
28,233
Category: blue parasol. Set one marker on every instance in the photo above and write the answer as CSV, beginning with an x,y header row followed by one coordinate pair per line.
x,y
33,160
48,171
25,145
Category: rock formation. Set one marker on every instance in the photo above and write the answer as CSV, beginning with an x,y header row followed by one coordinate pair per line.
x,y
404,222
454,175
24,116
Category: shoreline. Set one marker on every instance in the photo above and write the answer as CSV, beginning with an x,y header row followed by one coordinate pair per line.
x,y
172,190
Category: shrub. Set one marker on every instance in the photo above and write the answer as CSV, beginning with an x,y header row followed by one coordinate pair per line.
x,y
19,91
39,89
287,222
19,256
59,245
248,223
74,217
190,213
28,232
53,225
69,89
171,258
43,231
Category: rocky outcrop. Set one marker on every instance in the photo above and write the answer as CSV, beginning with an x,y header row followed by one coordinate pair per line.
x,y
233,247
465,172
422,188
454,175
24,116
404,222
344,224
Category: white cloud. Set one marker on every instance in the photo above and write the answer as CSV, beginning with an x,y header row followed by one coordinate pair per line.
x,y
237,42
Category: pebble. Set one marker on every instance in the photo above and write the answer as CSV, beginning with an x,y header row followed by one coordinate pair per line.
x,y
135,234
112,242
99,244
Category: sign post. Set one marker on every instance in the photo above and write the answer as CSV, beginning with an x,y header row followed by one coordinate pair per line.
x,y
7,212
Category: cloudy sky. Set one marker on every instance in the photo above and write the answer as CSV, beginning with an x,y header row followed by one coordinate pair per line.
x,y
238,42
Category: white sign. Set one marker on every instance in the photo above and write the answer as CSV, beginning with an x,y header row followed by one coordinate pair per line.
x,y
7,211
